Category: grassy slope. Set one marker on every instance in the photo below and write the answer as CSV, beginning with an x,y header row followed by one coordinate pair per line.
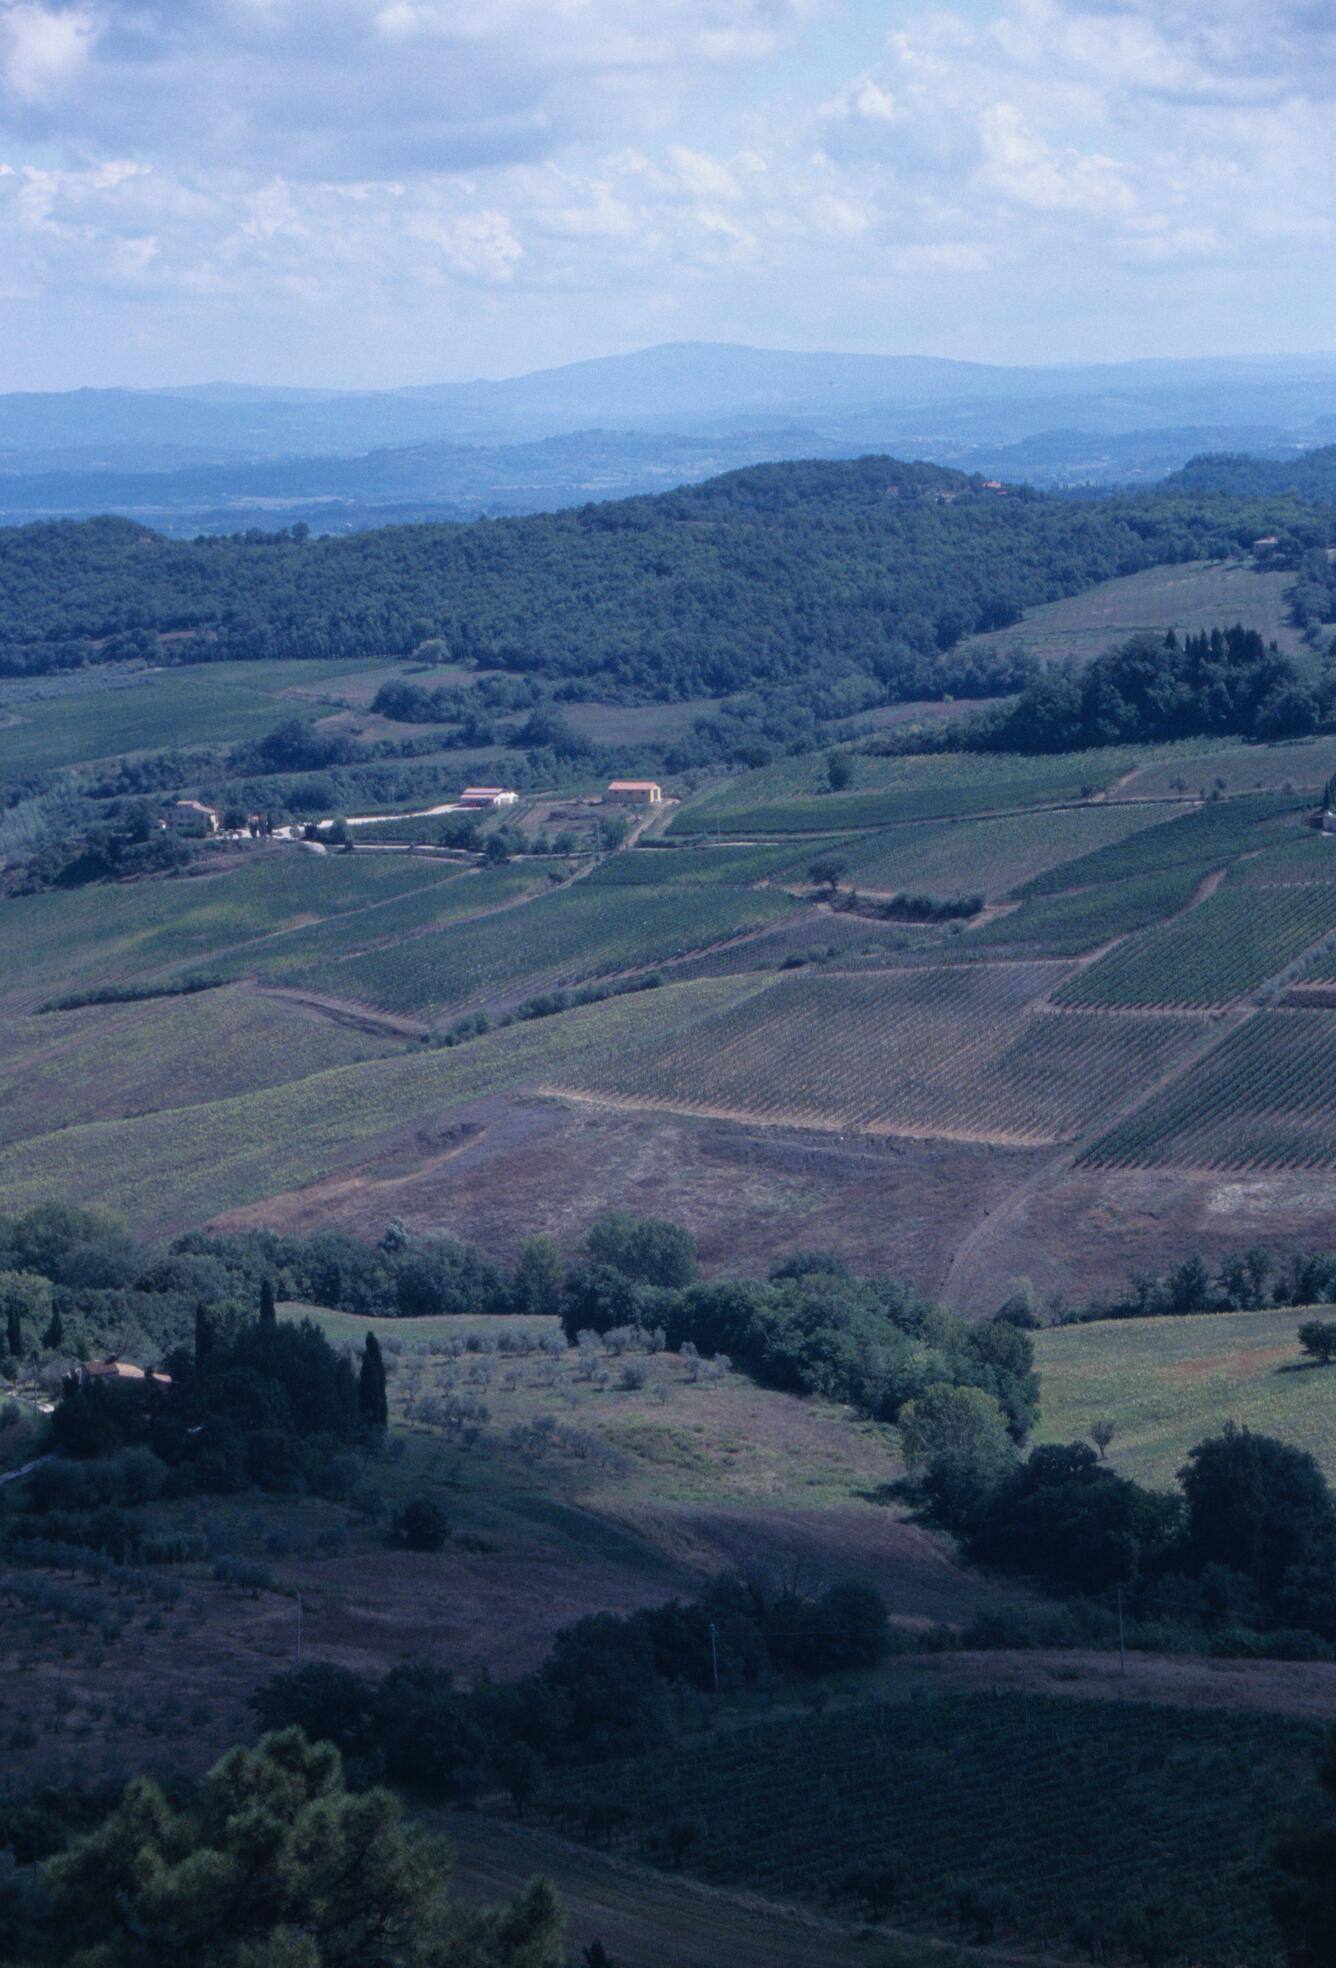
x,y
1169,1382
180,1167
1194,595
109,1060
111,934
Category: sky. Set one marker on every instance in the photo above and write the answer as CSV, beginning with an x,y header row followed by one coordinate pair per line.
x,y
366,193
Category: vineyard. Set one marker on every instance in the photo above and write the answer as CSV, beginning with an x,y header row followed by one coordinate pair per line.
x,y
654,867
1069,925
955,1053
568,937
1114,1828
814,937
114,933
1203,838
986,857
1235,940
1264,1099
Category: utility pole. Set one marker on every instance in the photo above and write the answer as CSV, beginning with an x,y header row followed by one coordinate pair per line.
x,y
714,1654
1122,1644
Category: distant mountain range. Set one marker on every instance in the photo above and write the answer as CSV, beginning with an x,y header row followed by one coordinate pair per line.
x,y
223,457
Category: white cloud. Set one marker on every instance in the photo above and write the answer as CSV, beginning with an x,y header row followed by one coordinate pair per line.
x,y
559,175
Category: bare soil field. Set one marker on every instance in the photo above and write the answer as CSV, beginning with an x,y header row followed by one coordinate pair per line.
x,y
1085,1231
750,1194
1302,1688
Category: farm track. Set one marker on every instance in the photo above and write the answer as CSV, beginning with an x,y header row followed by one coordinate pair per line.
x,y
341,1011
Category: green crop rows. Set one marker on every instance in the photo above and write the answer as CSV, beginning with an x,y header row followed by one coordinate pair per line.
x,y
986,857
1266,1098
952,1052
1068,925
1233,942
1071,1820
1204,838
564,938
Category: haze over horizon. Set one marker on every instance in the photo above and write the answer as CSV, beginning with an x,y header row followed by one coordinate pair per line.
x,y
380,193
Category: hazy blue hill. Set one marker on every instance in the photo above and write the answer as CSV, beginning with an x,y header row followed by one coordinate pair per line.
x,y
1311,476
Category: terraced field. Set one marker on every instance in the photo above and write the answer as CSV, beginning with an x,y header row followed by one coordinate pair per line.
x,y
1168,1383
1233,942
565,938
934,1052
1264,1099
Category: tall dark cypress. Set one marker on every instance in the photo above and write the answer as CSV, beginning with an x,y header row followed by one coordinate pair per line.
x,y
203,1334
14,1332
268,1308
372,1399
55,1331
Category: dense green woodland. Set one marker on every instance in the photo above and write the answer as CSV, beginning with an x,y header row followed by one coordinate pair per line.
x,y
766,575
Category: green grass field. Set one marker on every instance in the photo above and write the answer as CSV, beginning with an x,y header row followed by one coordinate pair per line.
x,y
955,1053
1230,944
106,1061
201,704
1168,1383
1195,595
788,798
1263,1099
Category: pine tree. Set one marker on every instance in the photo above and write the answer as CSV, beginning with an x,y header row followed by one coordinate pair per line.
x,y
268,1308
203,1334
372,1399
55,1332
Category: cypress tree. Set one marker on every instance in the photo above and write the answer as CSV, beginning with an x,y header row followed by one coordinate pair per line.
x,y
14,1332
203,1334
55,1332
268,1308
372,1399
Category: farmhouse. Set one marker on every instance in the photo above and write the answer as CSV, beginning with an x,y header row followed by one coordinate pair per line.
x,y
112,1369
635,792
189,813
486,798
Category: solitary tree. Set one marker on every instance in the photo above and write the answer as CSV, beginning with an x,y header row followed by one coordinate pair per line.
x,y
828,871
268,1306
372,1400
1318,1339
1101,1434
54,1337
839,771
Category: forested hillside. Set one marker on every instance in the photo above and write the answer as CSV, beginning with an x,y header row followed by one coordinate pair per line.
x,y
776,574
1312,475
